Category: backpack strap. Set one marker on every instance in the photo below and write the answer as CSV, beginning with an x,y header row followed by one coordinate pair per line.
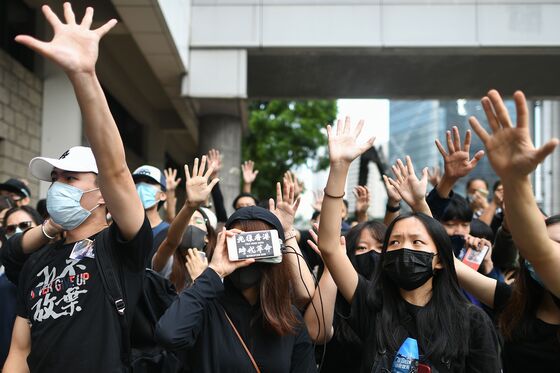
x,y
242,342
112,285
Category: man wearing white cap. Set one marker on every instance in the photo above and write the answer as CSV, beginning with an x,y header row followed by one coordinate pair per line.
x,y
65,321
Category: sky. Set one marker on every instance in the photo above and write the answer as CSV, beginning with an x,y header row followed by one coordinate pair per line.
x,y
375,114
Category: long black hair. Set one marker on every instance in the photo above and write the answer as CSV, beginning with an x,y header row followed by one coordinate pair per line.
x,y
527,295
442,324
342,331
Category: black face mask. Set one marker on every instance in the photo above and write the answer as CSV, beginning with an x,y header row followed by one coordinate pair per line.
x,y
366,262
409,269
194,238
246,277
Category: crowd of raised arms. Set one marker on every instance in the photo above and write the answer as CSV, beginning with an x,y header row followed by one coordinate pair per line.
x,y
111,276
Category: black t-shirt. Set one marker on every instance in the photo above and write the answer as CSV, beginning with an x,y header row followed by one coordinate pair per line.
x,y
74,327
536,351
482,357
196,322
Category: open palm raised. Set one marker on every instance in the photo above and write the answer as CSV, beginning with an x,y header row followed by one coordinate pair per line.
x,y
74,46
343,145
510,149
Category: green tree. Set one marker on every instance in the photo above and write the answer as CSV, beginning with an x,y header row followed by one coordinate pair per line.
x,y
283,135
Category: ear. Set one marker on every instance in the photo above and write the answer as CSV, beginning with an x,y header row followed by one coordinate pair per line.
x,y
438,264
101,200
163,196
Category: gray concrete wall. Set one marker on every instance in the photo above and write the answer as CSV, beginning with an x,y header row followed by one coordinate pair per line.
x,y
20,120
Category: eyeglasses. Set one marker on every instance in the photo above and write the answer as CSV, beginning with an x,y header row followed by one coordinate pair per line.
x,y
11,229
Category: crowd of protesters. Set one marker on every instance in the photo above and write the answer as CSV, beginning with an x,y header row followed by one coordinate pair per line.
x,y
108,274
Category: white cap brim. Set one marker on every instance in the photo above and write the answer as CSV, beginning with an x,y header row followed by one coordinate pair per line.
x,y
42,167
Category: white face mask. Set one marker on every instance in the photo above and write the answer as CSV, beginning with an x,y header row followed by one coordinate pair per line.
x,y
63,205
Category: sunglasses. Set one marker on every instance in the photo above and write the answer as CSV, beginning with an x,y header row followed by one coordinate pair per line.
x,y
11,229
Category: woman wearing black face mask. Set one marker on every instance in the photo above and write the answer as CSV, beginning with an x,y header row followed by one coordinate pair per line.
x,y
189,230
238,316
414,299
343,352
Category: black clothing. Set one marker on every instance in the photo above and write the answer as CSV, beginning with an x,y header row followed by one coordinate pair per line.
x,y
219,207
482,356
74,327
8,296
536,351
196,321
13,258
437,204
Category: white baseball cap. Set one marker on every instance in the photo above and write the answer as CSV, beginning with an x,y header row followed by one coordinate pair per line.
x,y
147,172
75,159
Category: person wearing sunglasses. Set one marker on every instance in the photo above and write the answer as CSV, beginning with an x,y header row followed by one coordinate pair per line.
x,y
19,219
16,220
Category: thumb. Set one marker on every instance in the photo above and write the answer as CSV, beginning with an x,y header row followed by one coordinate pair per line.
x,y
546,150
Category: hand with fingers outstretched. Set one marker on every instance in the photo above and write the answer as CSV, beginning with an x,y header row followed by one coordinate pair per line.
x,y
513,157
434,175
286,205
197,186
215,159
74,47
457,160
343,149
361,193
510,149
411,189
318,200
195,264
249,175
291,178
171,183
220,262
343,145
171,180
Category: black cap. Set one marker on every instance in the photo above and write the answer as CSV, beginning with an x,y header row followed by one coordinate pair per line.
x,y
16,186
256,213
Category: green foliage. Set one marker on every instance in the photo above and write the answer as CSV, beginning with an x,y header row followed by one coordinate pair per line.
x,y
283,135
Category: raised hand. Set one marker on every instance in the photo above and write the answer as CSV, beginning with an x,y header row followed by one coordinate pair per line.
x,y
171,180
220,262
215,159
362,199
314,241
343,146
318,199
197,185
286,205
510,149
457,161
249,174
434,175
195,264
412,190
74,46
291,178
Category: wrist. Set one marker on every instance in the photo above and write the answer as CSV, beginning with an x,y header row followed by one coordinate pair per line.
x,y
340,165
289,234
392,206
215,269
445,185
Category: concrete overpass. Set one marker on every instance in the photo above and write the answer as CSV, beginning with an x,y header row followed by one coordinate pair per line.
x,y
181,70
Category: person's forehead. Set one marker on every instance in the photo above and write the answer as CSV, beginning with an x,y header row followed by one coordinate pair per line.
x,y
410,227
477,183
59,172
245,199
18,217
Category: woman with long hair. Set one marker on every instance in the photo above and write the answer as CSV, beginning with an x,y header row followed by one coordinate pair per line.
x,y
413,302
363,245
238,316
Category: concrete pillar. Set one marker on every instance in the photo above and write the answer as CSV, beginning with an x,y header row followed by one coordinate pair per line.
x,y
223,132
62,120
550,171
